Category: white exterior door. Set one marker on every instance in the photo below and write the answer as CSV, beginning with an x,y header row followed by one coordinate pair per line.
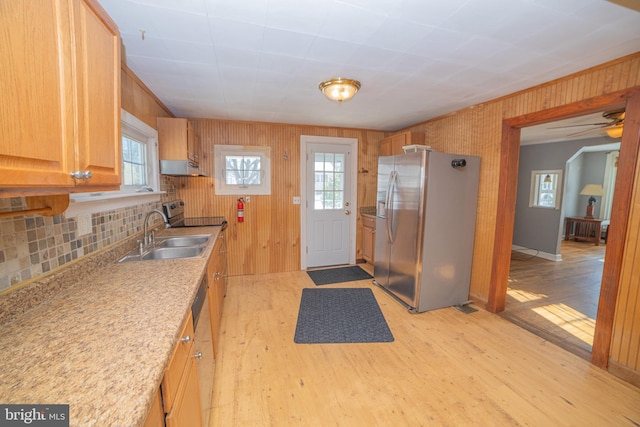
x,y
328,205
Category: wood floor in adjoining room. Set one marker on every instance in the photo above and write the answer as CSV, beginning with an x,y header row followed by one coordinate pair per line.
x,y
444,368
558,300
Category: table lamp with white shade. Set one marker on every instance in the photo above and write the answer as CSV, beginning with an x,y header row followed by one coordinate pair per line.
x,y
591,190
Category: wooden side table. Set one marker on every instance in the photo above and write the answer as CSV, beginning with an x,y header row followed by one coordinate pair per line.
x,y
581,228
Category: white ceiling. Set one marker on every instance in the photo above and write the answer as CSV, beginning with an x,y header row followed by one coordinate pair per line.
x,y
262,60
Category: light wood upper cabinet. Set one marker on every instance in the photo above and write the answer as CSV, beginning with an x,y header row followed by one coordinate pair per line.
x,y
393,144
97,76
61,71
177,140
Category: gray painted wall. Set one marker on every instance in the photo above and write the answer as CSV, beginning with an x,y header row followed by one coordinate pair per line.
x,y
537,228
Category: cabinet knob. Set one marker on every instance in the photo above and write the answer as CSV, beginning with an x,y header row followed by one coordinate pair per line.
x,y
198,355
80,174
185,339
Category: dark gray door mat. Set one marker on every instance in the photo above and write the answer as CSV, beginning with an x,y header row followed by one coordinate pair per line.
x,y
338,275
340,315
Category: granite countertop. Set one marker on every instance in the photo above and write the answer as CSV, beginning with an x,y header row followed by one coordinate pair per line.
x,y
102,346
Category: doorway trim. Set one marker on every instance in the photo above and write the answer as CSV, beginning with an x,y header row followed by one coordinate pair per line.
x,y
305,140
507,187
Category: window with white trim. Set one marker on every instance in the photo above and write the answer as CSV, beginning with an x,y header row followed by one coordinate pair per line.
x,y
134,161
139,155
242,170
545,189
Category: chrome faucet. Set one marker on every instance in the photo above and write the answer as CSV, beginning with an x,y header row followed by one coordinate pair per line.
x,y
146,224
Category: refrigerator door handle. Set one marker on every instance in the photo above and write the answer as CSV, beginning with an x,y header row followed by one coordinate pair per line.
x,y
393,177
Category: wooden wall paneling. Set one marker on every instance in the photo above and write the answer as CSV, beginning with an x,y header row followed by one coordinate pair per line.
x,y
476,131
487,200
504,218
367,178
473,130
620,331
269,239
548,102
137,99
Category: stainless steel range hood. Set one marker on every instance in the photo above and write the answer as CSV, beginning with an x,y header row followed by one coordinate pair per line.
x,y
180,168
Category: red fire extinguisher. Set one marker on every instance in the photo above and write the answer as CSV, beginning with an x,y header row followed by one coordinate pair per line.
x,y
240,209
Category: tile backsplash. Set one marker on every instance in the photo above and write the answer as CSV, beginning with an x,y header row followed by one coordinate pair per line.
x,y
34,245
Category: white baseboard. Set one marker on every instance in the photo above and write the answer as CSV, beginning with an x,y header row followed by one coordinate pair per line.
x,y
536,253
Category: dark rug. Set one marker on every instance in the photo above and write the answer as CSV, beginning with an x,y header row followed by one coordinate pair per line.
x,y
340,315
338,275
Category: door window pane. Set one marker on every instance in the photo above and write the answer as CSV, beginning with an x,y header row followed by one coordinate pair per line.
x,y
329,181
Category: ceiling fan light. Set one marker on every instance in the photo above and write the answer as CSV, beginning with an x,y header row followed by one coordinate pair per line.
x,y
339,89
615,131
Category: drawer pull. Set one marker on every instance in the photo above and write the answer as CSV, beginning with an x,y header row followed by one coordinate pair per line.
x,y
186,339
198,355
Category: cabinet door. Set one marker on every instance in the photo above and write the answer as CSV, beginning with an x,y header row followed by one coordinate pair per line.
x,y
187,411
97,50
368,238
385,147
155,417
182,353
172,138
367,244
216,271
193,144
397,142
36,115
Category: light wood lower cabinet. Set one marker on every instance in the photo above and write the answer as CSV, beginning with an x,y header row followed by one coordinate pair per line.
x,y
180,389
368,238
185,402
155,418
217,274
186,411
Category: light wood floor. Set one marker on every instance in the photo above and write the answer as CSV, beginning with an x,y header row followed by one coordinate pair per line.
x,y
444,368
558,300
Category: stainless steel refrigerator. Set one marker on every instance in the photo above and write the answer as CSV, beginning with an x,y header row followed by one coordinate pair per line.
x,y
425,225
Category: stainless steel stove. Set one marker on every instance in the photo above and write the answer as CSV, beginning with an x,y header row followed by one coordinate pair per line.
x,y
175,215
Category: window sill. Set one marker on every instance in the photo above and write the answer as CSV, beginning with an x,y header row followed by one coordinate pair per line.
x,y
101,202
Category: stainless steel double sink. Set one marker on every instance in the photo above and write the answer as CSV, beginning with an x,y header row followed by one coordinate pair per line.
x,y
175,247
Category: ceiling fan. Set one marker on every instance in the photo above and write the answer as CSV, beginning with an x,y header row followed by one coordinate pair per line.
x,y
613,127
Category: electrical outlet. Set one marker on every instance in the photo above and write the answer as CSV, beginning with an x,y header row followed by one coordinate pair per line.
x,y
247,199
84,224
296,200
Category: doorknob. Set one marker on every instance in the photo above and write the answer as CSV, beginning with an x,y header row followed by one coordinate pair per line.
x,y
347,212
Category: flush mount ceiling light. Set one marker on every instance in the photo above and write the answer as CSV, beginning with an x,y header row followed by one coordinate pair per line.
x,y
339,89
